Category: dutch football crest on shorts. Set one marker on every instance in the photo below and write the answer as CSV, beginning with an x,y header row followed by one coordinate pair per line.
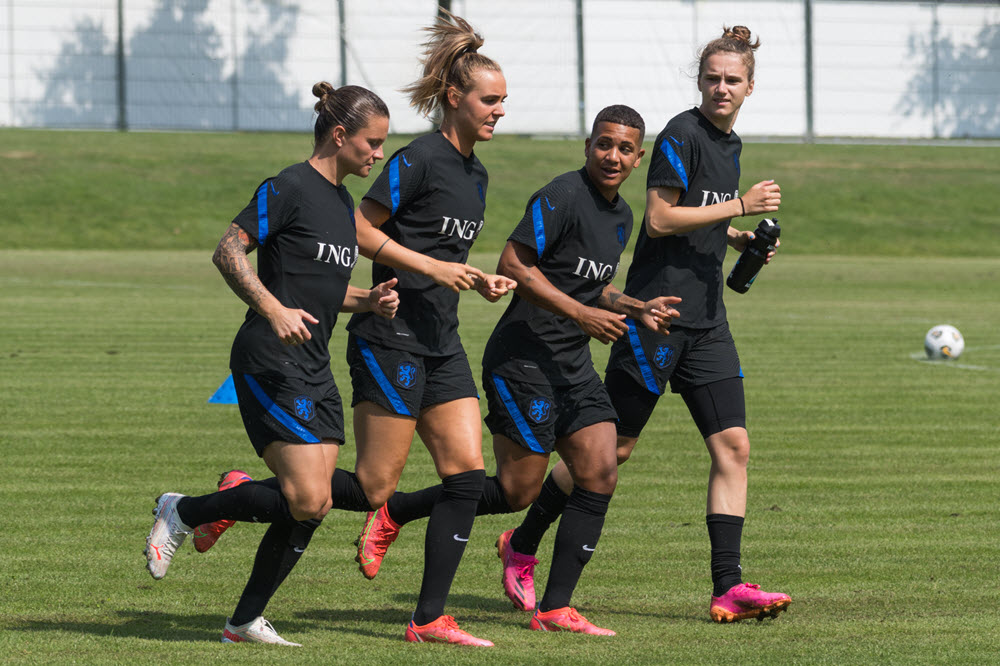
x,y
539,410
304,408
406,375
663,357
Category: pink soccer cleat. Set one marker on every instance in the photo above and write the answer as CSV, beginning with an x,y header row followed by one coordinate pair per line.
x,y
745,601
518,574
443,630
206,535
376,536
566,619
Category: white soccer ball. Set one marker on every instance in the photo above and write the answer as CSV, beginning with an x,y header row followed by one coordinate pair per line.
x,y
944,342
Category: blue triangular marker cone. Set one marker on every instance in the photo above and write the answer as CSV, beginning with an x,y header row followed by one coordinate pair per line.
x,y
225,394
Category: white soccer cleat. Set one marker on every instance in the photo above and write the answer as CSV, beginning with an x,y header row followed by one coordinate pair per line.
x,y
255,631
167,535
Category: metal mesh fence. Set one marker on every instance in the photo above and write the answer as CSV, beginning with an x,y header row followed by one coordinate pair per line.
x,y
826,67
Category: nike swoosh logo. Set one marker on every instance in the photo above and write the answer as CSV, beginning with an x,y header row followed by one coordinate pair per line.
x,y
273,188
458,538
405,160
551,207
679,143
588,549
299,550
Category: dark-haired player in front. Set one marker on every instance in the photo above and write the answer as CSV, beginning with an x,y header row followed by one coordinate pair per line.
x,y
301,221
543,391
692,194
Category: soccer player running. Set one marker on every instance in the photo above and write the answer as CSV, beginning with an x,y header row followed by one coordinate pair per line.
x,y
418,223
302,221
543,391
692,193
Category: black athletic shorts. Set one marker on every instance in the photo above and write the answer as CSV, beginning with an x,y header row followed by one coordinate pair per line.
x,y
405,383
687,358
285,409
536,415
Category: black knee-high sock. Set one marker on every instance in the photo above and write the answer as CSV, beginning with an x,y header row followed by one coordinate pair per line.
x,y
725,533
252,502
542,513
279,551
577,536
404,507
347,493
447,533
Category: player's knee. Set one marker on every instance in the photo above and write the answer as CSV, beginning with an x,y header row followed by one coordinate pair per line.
x,y
625,447
378,487
380,494
310,505
732,447
519,496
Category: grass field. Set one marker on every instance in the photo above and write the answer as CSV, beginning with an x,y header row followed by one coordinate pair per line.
x,y
873,480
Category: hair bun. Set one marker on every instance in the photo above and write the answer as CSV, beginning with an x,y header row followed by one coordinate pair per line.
x,y
322,89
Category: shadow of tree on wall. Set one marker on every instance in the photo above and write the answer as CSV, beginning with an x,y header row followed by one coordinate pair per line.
x,y
178,72
80,89
968,81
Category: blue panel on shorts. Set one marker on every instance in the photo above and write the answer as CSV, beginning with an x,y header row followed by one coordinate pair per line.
x,y
640,358
516,415
383,382
275,411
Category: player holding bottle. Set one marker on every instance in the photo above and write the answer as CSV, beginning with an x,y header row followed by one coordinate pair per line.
x,y
692,194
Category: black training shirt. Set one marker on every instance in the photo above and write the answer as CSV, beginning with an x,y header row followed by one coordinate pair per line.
x,y
307,247
694,156
579,237
437,197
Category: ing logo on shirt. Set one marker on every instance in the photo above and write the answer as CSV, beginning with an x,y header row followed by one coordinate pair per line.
x,y
304,408
406,374
539,410
663,357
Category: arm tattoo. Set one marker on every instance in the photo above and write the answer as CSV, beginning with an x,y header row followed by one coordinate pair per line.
x,y
615,301
231,259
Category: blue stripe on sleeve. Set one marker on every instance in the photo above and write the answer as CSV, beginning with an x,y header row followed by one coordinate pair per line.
x,y
394,183
536,218
262,214
675,161
515,414
640,358
383,382
275,411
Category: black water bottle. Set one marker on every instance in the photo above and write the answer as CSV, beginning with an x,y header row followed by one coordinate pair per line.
x,y
752,260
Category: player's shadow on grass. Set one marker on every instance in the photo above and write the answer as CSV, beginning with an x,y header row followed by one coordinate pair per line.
x,y
153,625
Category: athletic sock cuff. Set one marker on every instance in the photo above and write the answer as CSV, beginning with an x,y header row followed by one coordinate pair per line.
x,y
465,485
589,502
724,518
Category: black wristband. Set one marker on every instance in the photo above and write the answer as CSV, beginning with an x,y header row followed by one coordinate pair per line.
x,y
742,207
380,248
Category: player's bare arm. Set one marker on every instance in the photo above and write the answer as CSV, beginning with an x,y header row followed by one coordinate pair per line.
x,y
654,314
518,262
231,259
664,217
381,299
374,244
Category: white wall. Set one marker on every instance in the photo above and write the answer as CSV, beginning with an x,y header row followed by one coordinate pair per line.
x,y
878,66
